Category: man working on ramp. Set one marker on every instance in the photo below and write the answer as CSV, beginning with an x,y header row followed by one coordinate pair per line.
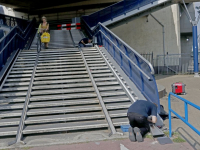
x,y
138,114
84,41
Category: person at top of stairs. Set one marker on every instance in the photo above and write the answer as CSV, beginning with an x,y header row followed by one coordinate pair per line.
x,y
44,27
84,41
138,115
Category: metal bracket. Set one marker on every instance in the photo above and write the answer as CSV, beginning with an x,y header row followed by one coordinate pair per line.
x,y
194,23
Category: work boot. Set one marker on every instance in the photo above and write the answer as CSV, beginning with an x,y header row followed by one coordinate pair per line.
x,y
131,134
138,134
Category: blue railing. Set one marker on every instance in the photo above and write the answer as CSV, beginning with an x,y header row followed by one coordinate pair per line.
x,y
10,21
185,120
15,39
137,68
115,10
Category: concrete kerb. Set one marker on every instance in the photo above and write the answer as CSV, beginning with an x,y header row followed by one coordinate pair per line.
x,y
80,138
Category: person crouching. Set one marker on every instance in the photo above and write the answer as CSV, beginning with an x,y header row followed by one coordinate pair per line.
x,y
84,41
138,115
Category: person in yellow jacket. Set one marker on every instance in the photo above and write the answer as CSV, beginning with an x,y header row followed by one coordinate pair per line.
x,y
44,27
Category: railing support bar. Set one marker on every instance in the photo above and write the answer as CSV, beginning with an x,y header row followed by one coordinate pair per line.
x,y
25,108
110,123
117,76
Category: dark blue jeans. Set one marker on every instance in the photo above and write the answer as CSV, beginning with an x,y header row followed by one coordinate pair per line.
x,y
137,120
81,45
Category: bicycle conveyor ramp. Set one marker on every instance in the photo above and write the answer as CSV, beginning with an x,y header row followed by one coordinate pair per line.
x,y
70,90
77,35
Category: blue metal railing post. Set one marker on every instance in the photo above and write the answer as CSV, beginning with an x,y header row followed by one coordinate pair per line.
x,y
195,49
170,123
186,112
185,120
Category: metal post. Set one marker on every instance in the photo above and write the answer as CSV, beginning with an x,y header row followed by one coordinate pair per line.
x,y
163,31
186,112
170,123
195,50
195,41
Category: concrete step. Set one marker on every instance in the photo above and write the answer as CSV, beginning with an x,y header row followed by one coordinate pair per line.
x,y
63,97
63,70
62,91
61,81
61,73
12,100
65,127
59,64
62,86
61,77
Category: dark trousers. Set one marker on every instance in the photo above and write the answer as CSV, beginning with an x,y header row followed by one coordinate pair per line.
x,y
137,120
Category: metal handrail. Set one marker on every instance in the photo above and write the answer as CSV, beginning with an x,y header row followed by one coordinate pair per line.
x,y
148,63
25,108
4,80
13,17
16,34
145,73
141,57
117,76
135,5
104,8
185,120
127,57
17,27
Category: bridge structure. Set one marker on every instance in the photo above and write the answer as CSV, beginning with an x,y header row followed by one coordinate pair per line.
x,y
68,88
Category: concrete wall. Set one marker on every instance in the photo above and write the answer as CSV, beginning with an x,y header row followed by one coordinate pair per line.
x,y
186,45
146,36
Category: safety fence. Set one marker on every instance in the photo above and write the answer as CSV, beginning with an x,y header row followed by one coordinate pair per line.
x,y
16,39
137,68
115,10
9,21
185,120
174,64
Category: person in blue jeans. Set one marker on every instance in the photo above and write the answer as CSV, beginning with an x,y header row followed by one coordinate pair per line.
x,y
140,114
84,41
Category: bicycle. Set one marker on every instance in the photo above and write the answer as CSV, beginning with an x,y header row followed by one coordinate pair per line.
x,y
39,44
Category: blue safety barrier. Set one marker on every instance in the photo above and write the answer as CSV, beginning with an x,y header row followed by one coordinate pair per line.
x,y
115,10
10,21
14,40
137,68
185,120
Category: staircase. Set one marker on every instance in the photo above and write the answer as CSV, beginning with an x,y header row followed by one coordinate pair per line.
x,y
72,90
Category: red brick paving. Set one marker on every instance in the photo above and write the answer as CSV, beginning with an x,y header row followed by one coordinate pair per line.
x,y
115,145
